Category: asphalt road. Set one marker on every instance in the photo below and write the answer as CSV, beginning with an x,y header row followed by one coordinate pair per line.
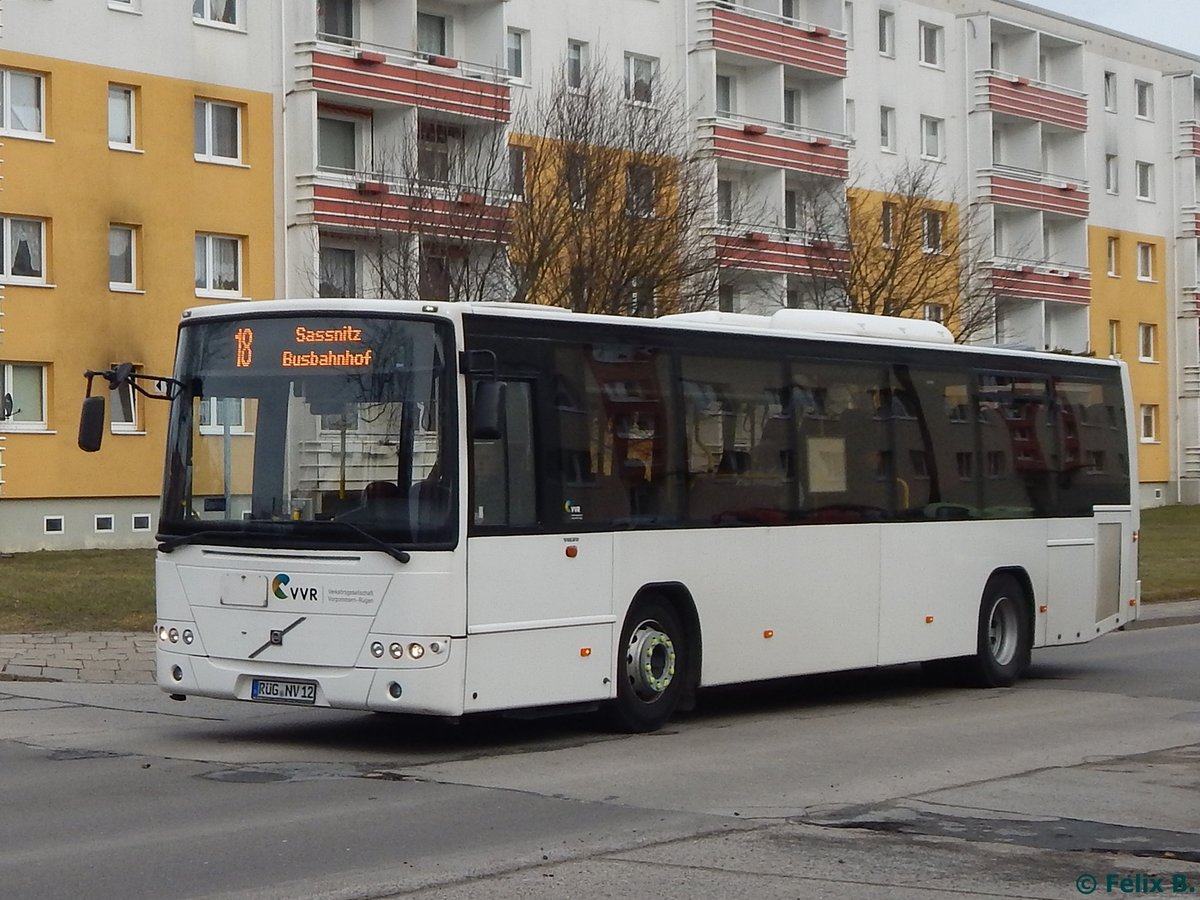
x,y
862,785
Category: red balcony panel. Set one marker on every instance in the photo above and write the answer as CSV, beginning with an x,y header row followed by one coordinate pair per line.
x,y
1189,134
770,253
1067,198
1040,102
786,150
344,207
1042,283
1191,222
779,42
398,81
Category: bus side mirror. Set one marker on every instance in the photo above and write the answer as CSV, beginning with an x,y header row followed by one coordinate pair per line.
x,y
487,411
91,424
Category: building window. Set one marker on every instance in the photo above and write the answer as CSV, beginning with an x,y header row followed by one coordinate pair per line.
x,y
336,20
122,258
120,117
576,175
931,37
887,33
516,172
518,49
935,312
218,265
216,12
1147,342
641,298
219,413
640,72
725,95
125,5
1110,91
433,35
1114,253
23,391
53,525
1111,170
23,242
791,210
339,272
726,298
438,145
1145,181
851,126
576,63
931,137
1149,423
1114,338
1143,93
640,191
1145,262
931,231
218,133
792,107
337,144
887,129
140,522
887,223
123,408
103,524
22,100
789,10
724,202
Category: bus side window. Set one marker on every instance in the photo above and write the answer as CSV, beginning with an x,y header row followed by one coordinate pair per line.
x,y
504,486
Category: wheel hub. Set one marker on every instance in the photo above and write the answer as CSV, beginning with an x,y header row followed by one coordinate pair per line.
x,y
650,661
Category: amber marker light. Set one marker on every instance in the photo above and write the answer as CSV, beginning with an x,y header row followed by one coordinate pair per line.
x,y
929,620
572,551
585,652
1133,602
769,633
1043,608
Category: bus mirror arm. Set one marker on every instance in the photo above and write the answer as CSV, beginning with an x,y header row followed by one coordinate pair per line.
x,y
91,416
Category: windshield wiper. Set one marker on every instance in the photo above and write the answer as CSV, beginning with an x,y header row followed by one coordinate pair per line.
x,y
390,549
166,545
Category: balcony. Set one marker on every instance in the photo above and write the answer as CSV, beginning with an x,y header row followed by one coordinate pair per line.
x,y
748,246
382,76
1189,223
1189,385
1189,302
759,37
1030,189
458,213
1038,101
1189,138
1030,279
791,147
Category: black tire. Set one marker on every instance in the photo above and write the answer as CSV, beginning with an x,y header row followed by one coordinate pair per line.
x,y
652,666
1005,638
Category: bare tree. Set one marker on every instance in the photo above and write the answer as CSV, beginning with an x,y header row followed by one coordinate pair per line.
x,y
616,202
906,246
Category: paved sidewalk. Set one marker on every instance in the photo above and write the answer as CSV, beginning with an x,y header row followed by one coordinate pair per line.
x,y
128,657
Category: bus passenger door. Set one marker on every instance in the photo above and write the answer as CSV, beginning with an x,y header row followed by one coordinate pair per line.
x,y
539,606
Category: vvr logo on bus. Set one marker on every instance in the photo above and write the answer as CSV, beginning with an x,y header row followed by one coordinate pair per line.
x,y
283,589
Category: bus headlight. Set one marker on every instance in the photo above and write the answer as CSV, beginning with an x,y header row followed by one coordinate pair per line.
x,y
173,634
397,650
416,651
188,637
377,649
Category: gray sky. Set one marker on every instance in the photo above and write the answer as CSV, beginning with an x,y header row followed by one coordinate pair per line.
x,y
1175,23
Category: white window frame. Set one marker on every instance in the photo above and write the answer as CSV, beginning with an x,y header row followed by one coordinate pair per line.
x,y
207,154
10,425
447,29
1147,342
9,251
934,312
516,42
887,129
1114,338
1143,100
129,6
518,177
928,216
1144,178
129,104
133,522
112,523
340,247
887,34
206,289
62,525
356,123
1112,173
123,426
887,223
576,64
730,89
724,201
936,137
632,62
214,425
1114,257
931,37
793,107
851,123
208,13
132,283
1148,416
8,124
1110,91
1145,261
641,190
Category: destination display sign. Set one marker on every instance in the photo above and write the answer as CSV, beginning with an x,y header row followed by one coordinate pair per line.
x,y
270,344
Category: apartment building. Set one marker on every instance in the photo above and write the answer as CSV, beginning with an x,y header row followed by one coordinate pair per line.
x,y
329,140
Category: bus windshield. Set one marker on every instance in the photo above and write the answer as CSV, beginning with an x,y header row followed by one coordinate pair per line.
x,y
305,430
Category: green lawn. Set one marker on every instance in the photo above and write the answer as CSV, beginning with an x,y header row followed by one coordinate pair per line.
x,y
113,590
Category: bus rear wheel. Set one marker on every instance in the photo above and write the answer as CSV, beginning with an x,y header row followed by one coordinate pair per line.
x,y
652,665
1005,637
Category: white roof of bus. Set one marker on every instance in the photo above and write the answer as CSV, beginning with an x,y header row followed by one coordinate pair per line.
x,y
839,327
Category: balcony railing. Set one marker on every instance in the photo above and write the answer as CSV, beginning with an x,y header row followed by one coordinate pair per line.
x,y
796,148
1031,189
1189,138
1031,279
1040,101
365,202
1191,462
1189,382
380,75
770,38
1189,222
767,249
1189,302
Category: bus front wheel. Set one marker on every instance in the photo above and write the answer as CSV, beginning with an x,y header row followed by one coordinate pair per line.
x,y
1005,636
652,665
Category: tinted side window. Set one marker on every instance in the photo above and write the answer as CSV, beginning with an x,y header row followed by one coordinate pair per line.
x,y
1095,469
1020,446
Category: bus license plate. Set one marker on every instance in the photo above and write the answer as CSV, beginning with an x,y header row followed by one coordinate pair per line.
x,y
303,693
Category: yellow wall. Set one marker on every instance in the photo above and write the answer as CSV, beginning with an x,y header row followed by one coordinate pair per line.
x,y
1131,301
79,186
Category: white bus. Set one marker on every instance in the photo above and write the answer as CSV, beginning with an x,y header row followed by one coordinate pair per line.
x,y
456,508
